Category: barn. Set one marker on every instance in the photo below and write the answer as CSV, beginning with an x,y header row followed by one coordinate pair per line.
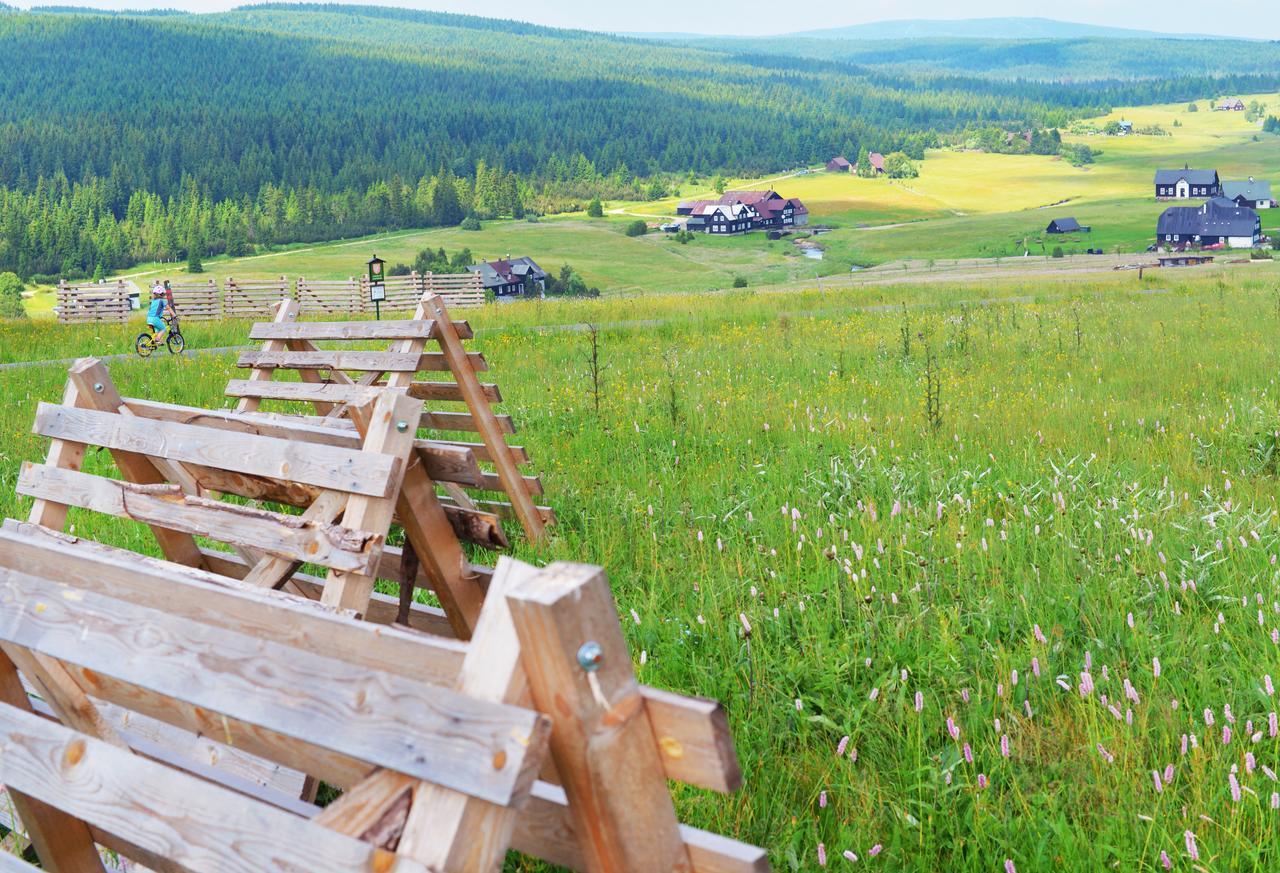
x,y
1067,225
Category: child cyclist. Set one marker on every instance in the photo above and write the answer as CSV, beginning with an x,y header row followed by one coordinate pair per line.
x,y
161,304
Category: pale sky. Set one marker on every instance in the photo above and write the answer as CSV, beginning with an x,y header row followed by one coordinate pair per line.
x,y
1248,18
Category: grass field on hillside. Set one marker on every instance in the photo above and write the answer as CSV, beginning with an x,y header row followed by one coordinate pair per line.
x,y
1041,626
964,204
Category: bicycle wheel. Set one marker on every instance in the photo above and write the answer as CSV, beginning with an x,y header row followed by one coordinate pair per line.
x,y
144,345
176,343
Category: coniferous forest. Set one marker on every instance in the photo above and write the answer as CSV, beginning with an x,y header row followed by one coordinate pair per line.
x,y
134,137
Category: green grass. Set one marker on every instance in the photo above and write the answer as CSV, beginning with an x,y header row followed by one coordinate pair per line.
x,y
963,205
1105,469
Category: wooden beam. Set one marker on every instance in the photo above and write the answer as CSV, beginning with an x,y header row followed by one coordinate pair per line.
x,y
377,362
286,312
286,536
322,466
386,425
486,423
465,421
442,391
219,601
404,725
345,330
602,742
166,812
546,829
96,391
68,454
61,840
445,829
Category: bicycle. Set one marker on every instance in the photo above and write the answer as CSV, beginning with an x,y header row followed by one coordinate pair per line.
x,y
145,344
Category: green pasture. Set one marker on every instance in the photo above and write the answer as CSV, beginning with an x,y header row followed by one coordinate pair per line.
x,y
963,205
1072,561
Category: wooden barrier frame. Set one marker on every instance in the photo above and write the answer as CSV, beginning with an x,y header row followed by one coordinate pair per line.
x,y
94,302
86,623
290,344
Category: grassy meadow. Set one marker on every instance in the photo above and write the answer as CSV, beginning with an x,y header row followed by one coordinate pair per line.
x,y
1034,619
964,205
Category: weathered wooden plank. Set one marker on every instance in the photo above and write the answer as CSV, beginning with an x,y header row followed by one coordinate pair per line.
x,y
222,602
366,473
167,812
285,536
379,362
382,609
493,482
372,810
476,526
386,427
349,330
438,391
286,311
424,731
604,748
463,421
302,392
436,361
490,427
67,454
96,391
445,461
694,739
447,830
61,840
481,451
502,509
545,829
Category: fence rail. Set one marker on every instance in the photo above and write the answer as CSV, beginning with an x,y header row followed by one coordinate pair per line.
x,y
198,302
97,302
253,299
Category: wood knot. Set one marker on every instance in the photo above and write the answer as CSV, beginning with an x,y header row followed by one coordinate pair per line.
x,y
500,759
74,753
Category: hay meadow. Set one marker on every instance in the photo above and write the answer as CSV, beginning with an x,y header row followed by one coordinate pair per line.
x,y
983,576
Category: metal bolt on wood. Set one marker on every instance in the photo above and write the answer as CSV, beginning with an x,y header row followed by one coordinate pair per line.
x,y
589,656
402,426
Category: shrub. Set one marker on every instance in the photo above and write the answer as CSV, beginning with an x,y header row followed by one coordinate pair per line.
x,y
1057,251
470,223
637,228
1191,107
595,209
898,166
739,282
11,296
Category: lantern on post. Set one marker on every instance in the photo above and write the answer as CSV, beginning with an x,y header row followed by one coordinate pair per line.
x,y
377,284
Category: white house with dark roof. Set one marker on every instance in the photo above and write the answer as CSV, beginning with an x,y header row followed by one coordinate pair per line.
x,y
1217,222
512,277
1255,193
1187,183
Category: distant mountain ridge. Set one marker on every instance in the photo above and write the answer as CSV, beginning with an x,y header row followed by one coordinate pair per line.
x,y
984,28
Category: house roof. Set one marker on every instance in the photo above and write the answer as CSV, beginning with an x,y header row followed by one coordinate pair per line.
x,y
1066,224
839,161
1193,177
1254,189
1216,217
506,271
877,160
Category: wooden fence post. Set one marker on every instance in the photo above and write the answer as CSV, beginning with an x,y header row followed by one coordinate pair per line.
x,y
579,672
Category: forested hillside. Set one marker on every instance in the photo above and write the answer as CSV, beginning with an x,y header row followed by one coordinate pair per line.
x,y
1132,70
130,137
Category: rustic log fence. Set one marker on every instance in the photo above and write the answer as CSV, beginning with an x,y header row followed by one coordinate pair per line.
x,y
254,299
181,711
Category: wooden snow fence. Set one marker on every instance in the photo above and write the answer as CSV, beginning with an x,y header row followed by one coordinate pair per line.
x,y
197,301
93,302
341,296
459,290
437,744
253,299
332,378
